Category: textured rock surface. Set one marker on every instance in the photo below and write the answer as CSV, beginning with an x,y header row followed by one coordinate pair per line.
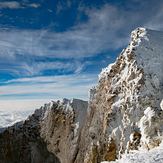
x,y
61,128
124,111
22,143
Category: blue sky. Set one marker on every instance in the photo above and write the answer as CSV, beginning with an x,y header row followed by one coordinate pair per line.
x,y
51,49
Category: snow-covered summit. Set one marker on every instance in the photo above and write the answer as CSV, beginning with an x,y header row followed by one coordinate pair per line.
x,y
148,46
127,99
136,37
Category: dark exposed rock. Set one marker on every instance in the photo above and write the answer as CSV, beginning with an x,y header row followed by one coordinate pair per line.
x,y
22,143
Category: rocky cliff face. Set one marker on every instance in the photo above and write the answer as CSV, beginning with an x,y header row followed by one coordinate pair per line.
x,y
124,112
22,142
50,135
61,128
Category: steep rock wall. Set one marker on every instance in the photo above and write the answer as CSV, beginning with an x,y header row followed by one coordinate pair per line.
x,y
61,128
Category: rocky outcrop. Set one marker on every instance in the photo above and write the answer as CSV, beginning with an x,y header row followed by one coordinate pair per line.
x,y
61,128
50,135
22,142
124,113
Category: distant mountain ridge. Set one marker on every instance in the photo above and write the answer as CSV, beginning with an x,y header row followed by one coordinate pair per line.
x,y
124,114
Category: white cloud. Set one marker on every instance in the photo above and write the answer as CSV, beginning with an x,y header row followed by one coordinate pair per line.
x,y
107,29
10,4
36,68
17,5
99,34
34,5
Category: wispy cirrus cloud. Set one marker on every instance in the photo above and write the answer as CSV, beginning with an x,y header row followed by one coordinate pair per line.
x,y
95,36
10,4
48,87
23,67
107,29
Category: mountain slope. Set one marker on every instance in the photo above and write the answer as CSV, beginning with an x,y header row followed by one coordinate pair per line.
x,y
50,133
124,114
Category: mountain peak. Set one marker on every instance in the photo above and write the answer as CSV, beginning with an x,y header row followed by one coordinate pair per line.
x,y
129,94
125,111
137,34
